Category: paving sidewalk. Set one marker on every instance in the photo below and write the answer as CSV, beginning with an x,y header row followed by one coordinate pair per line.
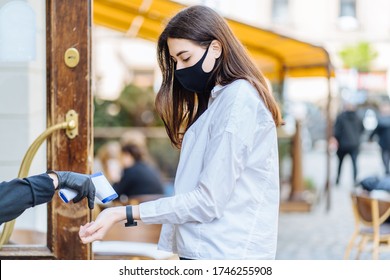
x,y
321,234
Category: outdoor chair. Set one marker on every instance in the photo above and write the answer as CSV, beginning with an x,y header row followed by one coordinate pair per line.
x,y
370,215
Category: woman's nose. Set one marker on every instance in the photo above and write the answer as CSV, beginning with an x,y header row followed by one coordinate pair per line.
x,y
179,66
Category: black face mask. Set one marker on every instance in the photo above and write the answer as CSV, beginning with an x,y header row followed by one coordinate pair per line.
x,y
194,79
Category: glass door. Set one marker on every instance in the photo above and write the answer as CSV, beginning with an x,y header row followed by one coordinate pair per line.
x,y
23,102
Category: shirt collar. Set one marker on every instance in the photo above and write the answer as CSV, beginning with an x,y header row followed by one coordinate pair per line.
x,y
216,90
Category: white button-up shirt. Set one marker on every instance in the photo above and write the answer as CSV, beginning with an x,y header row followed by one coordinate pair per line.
x,y
226,199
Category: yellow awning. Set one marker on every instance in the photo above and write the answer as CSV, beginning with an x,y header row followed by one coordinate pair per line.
x,y
276,55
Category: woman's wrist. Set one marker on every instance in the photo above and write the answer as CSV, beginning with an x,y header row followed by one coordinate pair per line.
x,y
132,214
118,213
136,215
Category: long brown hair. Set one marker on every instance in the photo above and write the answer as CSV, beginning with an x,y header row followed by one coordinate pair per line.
x,y
179,108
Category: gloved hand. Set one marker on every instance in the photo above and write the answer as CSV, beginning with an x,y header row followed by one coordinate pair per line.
x,y
81,183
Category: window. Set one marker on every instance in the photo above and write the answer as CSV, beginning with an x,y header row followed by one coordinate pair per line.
x,y
280,11
347,17
348,8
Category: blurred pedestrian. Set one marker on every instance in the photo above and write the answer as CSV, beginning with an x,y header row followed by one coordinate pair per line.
x,y
348,129
216,107
383,132
138,138
108,161
138,177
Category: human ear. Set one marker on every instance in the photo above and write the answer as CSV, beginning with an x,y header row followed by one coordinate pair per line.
x,y
216,48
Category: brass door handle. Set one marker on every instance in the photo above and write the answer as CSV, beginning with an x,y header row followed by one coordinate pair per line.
x,y
71,126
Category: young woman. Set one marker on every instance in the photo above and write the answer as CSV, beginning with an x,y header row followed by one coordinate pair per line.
x,y
217,108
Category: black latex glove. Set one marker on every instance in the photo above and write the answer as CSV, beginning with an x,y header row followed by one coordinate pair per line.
x,y
81,183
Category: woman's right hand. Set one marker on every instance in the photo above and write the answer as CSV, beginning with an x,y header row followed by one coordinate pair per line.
x,y
96,230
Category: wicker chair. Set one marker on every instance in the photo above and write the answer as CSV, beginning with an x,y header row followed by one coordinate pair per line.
x,y
370,216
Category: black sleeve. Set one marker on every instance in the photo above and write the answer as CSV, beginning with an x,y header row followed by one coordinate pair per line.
x,y
362,128
19,194
372,134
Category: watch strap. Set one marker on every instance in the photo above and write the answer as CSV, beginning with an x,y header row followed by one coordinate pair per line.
x,y
129,215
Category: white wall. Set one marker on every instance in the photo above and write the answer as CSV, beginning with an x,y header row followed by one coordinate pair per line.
x,y
23,113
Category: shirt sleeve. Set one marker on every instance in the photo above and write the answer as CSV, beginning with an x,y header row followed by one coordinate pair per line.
x,y
19,194
223,164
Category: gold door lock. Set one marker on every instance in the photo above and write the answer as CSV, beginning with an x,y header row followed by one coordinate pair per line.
x,y
72,120
72,57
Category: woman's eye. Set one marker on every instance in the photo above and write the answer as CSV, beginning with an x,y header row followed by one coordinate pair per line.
x,y
186,59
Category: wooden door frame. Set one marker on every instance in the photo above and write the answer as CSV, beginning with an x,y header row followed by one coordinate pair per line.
x,y
68,24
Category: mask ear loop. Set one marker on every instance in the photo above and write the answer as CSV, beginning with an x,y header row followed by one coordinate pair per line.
x,y
213,71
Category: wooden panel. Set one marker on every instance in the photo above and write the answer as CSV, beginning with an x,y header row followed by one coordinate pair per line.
x,y
69,25
12,252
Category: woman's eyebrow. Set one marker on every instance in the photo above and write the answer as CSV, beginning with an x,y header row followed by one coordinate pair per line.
x,y
181,52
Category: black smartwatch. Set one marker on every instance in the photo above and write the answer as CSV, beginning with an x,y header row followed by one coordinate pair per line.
x,y
129,215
